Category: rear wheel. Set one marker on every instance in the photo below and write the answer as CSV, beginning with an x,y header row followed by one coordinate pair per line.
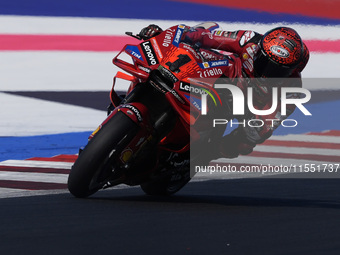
x,y
94,165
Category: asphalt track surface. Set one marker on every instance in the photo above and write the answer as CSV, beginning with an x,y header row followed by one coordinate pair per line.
x,y
234,216
238,216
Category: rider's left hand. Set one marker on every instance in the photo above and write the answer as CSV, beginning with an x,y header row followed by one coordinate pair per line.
x,y
150,31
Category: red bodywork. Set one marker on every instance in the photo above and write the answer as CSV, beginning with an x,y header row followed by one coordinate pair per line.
x,y
162,52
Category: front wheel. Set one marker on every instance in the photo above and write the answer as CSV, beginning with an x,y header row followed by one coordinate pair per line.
x,y
100,156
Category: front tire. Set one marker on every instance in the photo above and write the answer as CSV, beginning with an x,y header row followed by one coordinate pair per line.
x,y
88,173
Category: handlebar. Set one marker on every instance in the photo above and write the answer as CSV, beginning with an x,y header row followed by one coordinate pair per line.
x,y
134,36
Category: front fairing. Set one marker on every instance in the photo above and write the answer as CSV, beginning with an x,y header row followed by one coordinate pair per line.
x,y
180,64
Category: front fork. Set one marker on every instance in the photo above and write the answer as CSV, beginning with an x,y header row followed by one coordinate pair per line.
x,y
150,110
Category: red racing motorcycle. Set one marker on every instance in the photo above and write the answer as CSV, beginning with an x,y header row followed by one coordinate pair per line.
x,y
147,136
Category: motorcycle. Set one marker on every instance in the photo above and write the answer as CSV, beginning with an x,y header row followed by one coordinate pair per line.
x,y
146,138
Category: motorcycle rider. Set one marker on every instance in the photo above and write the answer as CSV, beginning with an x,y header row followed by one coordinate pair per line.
x,y
279,53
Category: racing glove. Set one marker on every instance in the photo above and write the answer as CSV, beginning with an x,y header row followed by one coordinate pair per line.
x,y
150,31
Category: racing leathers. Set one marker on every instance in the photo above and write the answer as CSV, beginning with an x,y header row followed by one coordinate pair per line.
x,y
240,48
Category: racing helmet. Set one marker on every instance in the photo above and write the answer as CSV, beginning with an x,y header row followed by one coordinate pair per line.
x,y
280,52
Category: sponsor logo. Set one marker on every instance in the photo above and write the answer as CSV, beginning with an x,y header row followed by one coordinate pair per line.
x,y
196,81
195,101
178,35
251,63
134,110
218,33
149,53
177,96
219,63
191,89
231,35
167,73
169,33
205,64
160,88
206,54
147,70
172,77
249,66
155,45
251,51
216,63
246,37
279,51
209,73
189,48
134,51
248,59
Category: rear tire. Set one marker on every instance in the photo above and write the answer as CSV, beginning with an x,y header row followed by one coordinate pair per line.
x,y
86,176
